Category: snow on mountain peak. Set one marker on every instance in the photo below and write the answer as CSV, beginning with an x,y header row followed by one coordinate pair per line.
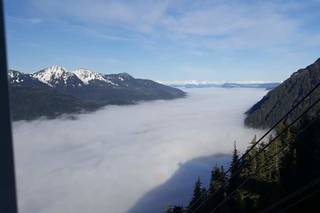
x,y
56,76
52,74
15,76
56,71
12,73
86,75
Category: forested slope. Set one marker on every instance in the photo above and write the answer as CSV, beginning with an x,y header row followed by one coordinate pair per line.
x,y
281,99
289,164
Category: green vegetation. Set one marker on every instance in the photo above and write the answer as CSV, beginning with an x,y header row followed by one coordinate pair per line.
x,y
290,162
268,174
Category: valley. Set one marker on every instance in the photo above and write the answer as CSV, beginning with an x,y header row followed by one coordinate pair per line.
x,y
127,151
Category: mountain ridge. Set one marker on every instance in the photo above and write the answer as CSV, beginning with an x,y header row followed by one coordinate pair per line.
x,y
281,99
89,92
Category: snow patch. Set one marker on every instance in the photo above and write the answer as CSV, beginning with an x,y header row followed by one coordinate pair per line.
x,y
15,77
86,75
52,75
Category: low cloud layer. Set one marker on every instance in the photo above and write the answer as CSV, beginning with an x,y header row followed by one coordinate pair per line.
x,y
105,161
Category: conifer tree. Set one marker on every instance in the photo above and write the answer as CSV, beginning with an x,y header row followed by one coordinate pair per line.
x,y
234,170
251,162
217,185
262,164
217,179
175,209
199,195
273,156
234,182
204,194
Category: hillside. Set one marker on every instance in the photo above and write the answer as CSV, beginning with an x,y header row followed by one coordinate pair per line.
x,y
284,167
54,91
28,103
288,171
281,99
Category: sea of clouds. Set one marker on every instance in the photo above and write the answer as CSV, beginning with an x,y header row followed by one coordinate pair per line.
x,y
105,161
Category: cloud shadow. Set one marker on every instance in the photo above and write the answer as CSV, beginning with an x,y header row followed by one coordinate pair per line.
x,y
178,189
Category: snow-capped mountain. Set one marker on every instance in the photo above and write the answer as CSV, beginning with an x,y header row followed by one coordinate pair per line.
x,y
21,79
55,90
121,79
123,76
56,76
17,77
87,76
59,77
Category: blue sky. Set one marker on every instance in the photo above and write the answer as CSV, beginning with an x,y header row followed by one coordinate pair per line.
x,y
231,40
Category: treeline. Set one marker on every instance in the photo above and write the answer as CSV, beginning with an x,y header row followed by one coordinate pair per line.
x,y
255,183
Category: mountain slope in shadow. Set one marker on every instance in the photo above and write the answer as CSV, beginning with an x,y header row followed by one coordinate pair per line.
x,y
178,189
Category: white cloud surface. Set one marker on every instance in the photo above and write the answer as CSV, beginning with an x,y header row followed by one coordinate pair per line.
x,y
237,24
105,161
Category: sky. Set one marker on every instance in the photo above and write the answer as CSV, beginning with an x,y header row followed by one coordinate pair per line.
x,y
104,162
231,40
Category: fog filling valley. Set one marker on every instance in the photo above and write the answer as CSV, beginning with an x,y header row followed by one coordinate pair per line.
x,y
106,160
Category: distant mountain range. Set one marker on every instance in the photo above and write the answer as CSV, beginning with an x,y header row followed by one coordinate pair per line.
x,y
54,91
207,84
281,99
